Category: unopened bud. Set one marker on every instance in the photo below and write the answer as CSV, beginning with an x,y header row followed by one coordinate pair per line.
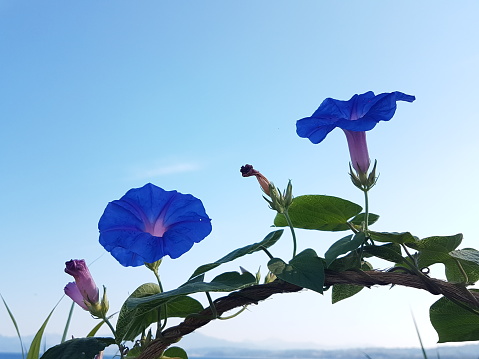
x,y
280,202
258,275
270,277
248,171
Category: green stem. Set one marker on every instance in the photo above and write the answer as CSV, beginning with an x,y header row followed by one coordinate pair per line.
x,y
267,252
159,325
110,325
290,224
212,305
413,264
463,272
366,210
351,226
159,281
234,315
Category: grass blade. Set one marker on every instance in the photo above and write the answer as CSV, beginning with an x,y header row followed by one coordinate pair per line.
x,y
15,325
67,325
419,336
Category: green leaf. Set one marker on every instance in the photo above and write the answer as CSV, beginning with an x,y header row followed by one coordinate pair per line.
x,y
324,213
453,323
343,291
443,244
343,246
349,261
305,270
467,254
360,218
455,274
182,306
468,260
137,310
394,237
390,252
78,348
435,249
131,322
268,241
175,352
34,351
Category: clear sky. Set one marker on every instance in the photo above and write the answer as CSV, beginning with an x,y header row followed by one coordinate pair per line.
x,y
99,97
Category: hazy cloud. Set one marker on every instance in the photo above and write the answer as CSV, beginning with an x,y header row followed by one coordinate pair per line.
x,y
158,171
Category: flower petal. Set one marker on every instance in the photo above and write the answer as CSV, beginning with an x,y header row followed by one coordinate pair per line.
x,y
74,293
360,113
313,128
148,223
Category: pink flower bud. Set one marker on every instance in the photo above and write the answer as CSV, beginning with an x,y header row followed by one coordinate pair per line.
x,y
83,280
73,292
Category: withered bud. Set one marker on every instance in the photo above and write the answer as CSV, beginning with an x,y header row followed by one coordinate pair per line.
x,y
248,171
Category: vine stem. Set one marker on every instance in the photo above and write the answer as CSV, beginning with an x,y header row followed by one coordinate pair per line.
x,y
290,224
254,294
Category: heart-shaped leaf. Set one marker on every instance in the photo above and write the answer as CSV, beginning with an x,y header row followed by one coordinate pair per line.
x,y
324,213
305,270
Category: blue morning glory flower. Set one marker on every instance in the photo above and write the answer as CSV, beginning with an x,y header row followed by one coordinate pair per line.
x,y
361,113
148,223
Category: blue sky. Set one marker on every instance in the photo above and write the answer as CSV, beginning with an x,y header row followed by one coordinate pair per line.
x,y
101,97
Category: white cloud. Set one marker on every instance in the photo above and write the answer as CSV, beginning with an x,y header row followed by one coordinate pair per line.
x,y
158,171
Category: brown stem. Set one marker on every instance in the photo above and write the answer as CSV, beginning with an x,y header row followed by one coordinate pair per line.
x,y
257,293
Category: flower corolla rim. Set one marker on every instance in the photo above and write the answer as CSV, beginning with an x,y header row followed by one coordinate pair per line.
x,y
360,113
148,223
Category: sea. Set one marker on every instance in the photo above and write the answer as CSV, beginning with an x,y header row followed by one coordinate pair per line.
x,y
19,356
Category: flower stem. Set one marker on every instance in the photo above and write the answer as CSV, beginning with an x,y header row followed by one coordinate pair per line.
x,y
290,224
366,210
158,279
159,325
110,326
